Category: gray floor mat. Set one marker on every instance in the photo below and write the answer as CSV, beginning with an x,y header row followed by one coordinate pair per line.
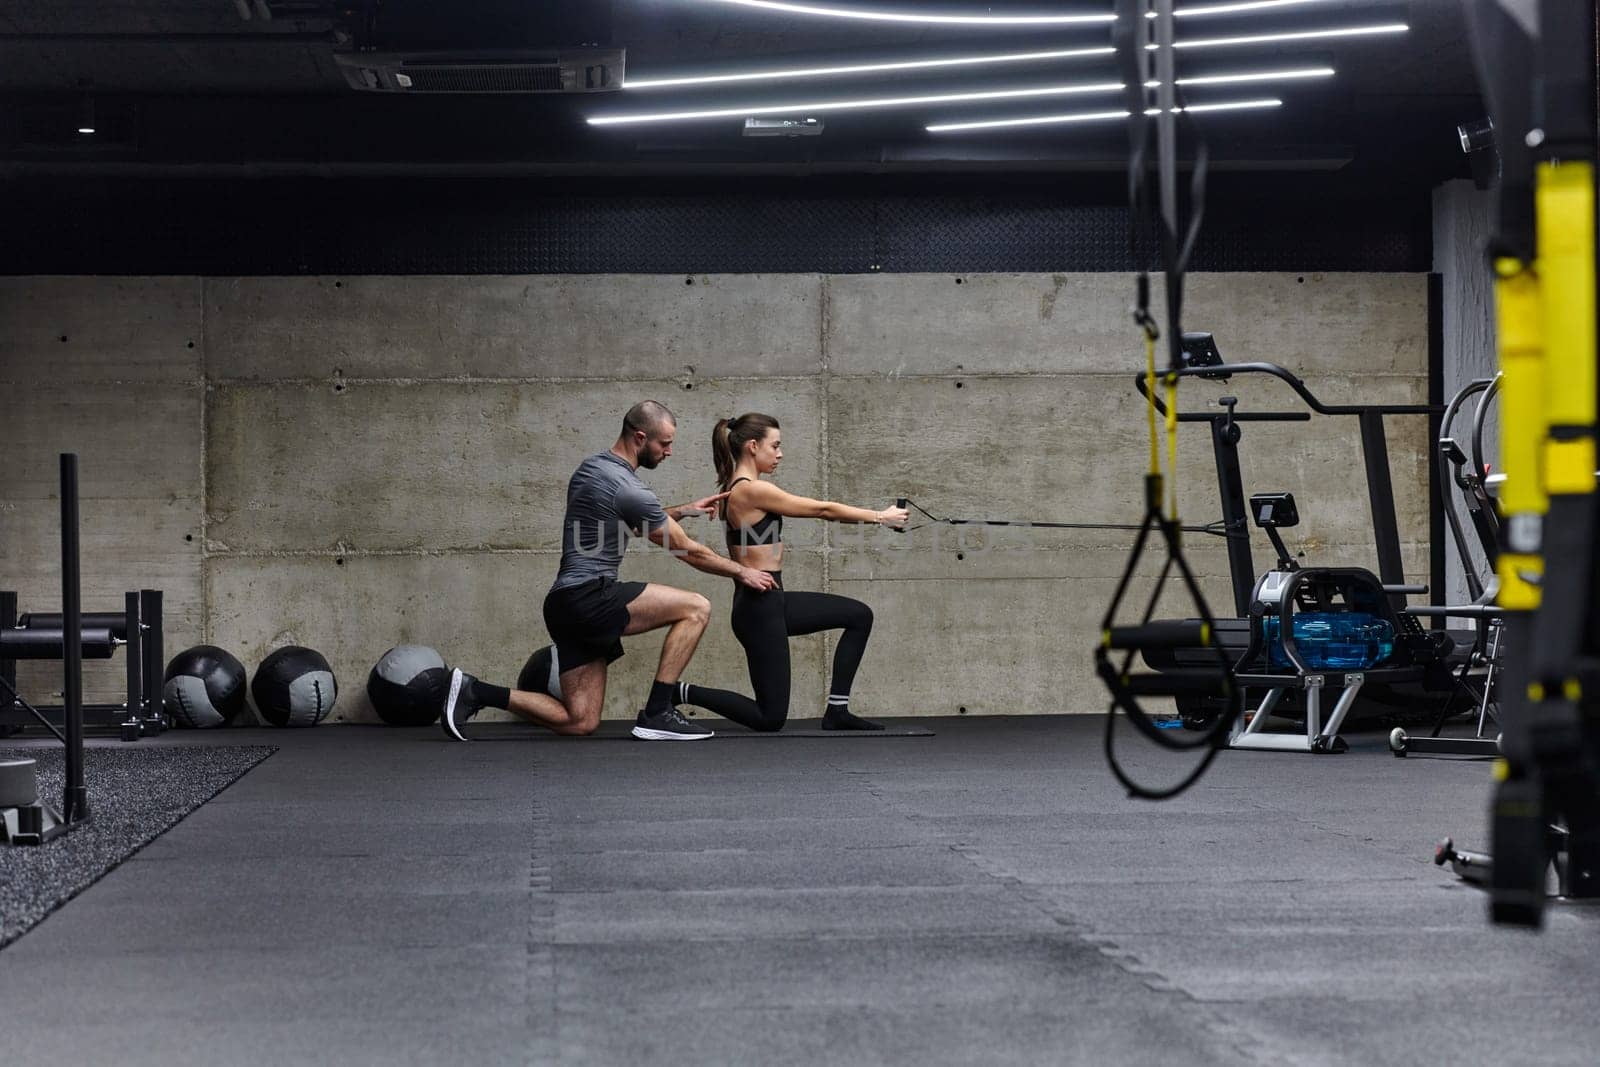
x,y
134,795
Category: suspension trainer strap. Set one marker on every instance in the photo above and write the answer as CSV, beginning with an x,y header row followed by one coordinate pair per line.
x,y
1120,643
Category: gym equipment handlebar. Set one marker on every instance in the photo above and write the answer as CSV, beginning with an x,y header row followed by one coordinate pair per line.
x,y
39,643
1293,382
115,621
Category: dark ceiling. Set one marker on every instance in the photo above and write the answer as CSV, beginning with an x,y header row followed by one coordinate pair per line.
x,y
190,87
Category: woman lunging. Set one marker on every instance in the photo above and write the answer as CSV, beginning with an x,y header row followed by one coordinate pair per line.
x,y
744,449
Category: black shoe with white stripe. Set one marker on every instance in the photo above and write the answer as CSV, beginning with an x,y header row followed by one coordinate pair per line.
x,y
669,725
459,706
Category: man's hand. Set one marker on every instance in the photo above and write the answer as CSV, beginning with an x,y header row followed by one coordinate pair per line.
x,y
760,581
706,506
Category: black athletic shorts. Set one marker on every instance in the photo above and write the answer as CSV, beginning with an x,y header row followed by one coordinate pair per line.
x,y
586,621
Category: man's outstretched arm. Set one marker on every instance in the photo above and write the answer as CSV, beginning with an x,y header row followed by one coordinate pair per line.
x,y
705,506
672,537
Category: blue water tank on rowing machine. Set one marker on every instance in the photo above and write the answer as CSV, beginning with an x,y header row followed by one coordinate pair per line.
x,y
1332,640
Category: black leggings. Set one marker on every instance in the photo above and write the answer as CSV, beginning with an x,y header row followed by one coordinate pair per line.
x,y
763,623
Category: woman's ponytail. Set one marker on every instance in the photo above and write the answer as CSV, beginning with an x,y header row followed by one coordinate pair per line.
x,y
722,454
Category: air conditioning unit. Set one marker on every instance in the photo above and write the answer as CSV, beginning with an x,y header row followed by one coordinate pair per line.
x,y
565,70
754,127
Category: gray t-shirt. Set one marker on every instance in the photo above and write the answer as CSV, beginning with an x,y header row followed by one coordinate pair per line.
x,y
605,502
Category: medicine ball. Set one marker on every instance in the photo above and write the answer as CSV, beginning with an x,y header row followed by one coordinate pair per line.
x,y
409,685
542,673
294,686
203,687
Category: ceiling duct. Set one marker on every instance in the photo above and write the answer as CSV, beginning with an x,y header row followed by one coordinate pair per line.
x,y
564,70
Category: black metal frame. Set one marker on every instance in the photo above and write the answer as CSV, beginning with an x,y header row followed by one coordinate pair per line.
x,y
1456,468
1225,436
37,823
139,627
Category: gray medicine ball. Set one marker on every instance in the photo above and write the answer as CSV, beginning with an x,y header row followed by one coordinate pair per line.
x,y
542,673
203,687
294,686
409,685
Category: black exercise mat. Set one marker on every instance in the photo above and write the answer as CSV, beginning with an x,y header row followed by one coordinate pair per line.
x,y
135,794
622,731
806,730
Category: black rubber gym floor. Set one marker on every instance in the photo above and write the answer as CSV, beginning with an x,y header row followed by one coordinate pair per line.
x,y
134,794
985,895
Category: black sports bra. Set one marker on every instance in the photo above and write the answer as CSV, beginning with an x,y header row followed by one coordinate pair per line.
x,y
757,532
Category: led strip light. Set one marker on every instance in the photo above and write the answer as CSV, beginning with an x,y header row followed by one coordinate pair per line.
x,y
1197,11
1099,116
682,81
944,98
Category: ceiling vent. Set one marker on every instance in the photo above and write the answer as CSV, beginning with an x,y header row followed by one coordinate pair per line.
x,y
567,70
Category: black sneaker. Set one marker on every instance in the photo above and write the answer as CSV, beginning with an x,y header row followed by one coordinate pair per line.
x,y
459,706
669,725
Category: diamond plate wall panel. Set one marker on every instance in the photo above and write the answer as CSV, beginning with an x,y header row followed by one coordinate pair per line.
x,y
402,226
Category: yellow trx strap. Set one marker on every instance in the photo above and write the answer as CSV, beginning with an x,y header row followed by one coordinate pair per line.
x,y
1546,315
1169,383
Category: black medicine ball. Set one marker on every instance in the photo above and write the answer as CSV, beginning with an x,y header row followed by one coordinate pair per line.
x,y
409,685
542,673
294,686
203,687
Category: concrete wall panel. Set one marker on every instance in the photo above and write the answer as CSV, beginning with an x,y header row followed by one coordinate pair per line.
x,y
1315,324
1062,448
449,466
1074,449
979,323
579,326
1078,323
68,329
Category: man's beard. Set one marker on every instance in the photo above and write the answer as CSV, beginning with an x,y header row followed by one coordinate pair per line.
x,y
648,461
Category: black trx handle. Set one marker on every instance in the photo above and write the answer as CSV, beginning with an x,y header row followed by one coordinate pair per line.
x,y
1125,687
1184,634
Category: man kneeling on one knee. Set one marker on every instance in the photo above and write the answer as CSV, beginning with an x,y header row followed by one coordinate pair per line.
x,y
588,611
